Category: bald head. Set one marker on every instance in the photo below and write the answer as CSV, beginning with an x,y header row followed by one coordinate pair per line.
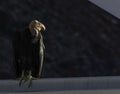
x,y
35,24
35,27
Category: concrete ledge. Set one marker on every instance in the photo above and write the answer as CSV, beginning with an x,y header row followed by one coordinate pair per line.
x,y
72,92
62,84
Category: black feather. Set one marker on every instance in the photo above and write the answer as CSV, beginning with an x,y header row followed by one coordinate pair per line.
x,y
27,54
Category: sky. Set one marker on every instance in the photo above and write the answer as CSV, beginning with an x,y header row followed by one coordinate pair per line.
x,y
111,6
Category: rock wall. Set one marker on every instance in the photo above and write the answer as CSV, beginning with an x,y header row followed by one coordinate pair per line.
x,y
80,38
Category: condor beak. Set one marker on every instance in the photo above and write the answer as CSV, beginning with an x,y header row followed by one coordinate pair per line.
x,y
43,26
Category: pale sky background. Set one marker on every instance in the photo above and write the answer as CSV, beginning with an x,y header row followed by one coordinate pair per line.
x,y
112,6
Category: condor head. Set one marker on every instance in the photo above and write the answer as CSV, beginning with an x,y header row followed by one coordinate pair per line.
x,y
35,27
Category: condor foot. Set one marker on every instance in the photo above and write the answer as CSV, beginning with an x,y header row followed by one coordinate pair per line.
x,y
26,78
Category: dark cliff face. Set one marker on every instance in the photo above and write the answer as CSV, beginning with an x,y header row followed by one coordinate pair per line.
x,y
80,38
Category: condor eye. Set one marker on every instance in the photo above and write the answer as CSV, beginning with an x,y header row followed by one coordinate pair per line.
x,y
38,27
